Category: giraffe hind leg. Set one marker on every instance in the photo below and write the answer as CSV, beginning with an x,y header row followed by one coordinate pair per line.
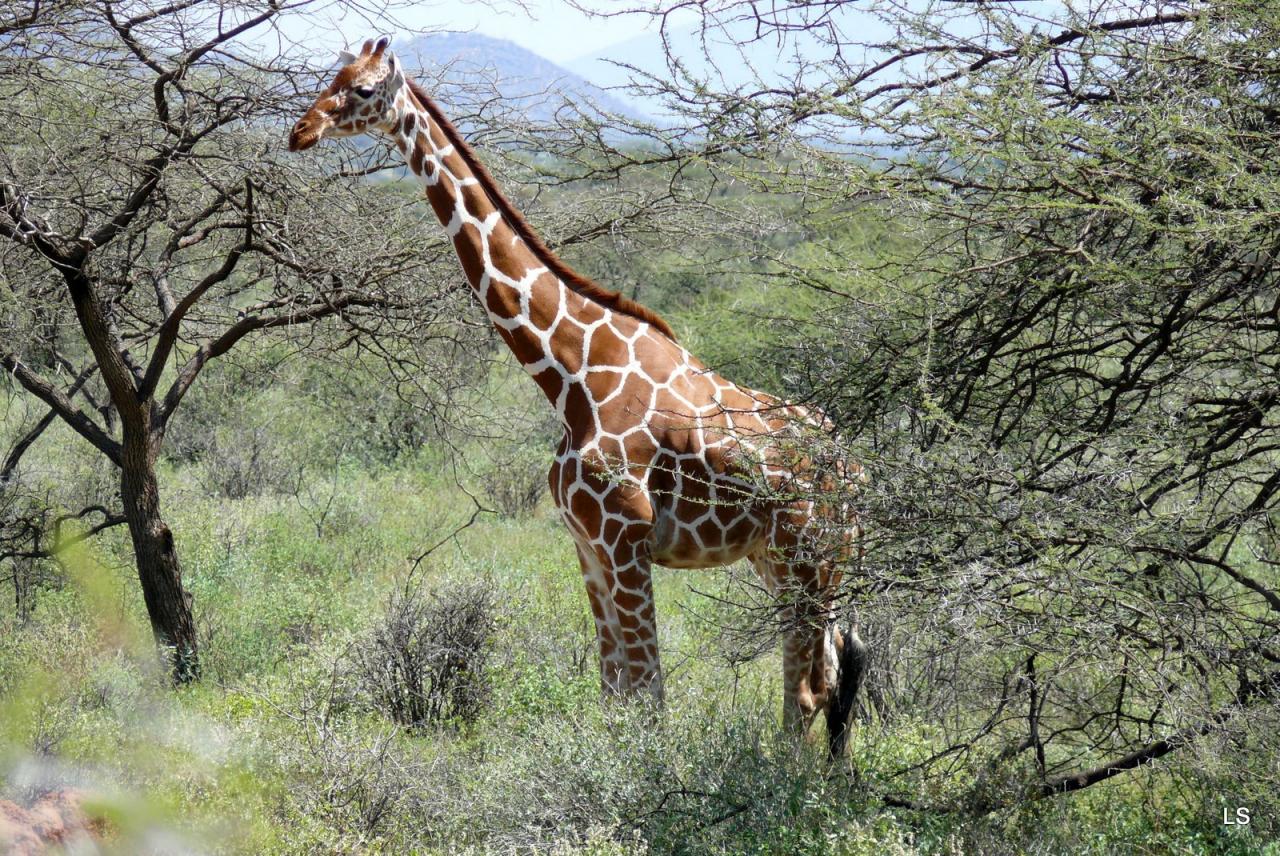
x,y
808,661
822,668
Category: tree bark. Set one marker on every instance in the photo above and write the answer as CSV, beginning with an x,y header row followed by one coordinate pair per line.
x,y
159,572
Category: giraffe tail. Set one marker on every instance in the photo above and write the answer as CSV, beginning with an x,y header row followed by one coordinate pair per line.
x,y
852,668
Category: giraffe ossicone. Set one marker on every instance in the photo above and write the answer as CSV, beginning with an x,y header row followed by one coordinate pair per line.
x,y
662,461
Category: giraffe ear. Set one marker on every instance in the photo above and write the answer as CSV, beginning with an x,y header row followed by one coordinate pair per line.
x,y
395,72
346,57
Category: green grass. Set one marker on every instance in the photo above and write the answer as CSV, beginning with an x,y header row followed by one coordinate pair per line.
x,y
279,750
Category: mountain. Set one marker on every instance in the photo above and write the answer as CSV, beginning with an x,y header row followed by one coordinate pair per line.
x,y
528,83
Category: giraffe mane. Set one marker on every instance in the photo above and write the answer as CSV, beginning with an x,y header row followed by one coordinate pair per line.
x,y
582,285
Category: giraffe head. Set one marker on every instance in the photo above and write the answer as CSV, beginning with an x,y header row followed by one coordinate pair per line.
x,y
361,98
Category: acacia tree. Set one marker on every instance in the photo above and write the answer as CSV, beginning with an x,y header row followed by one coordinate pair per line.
x,y
149,226
1061,366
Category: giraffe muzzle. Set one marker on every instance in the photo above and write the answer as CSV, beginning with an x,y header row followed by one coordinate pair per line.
x,y
303,136
310,129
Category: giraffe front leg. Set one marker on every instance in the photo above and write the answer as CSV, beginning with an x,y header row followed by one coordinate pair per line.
x,y
614,673
633,598
621,597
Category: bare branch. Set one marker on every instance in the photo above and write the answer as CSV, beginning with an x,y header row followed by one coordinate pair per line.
x,y
60,404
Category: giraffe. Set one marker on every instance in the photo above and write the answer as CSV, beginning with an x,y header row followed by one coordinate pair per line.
x,y
662,460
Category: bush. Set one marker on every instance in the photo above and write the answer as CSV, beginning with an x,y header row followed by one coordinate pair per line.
x,y
515,483
425,664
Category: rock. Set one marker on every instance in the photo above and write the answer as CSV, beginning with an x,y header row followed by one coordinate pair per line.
x,y
56,818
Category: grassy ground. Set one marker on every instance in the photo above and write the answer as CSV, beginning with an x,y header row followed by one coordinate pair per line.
x,y
282,749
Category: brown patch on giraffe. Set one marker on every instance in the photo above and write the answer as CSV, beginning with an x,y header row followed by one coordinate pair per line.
x,y
688,507
422,148
679,432
639,670
409,123
612,531
599,474
586,311
586,510
661,357
745,531
662,468
628,601
612,451
441,201
602,384
631,402
608,644
572,465
554,476
473,195
710,533
635,533
630,636
736,401
501,299
464,242
550,381
672,415
569,334
607,348
577,411
544,301
510,264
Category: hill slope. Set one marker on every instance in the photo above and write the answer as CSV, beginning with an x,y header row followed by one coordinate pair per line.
x,y
529,83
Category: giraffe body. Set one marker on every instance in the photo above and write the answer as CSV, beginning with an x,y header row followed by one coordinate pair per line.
x,y
662,461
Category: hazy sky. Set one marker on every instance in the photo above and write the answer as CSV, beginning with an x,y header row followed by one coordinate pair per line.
x,y
551,28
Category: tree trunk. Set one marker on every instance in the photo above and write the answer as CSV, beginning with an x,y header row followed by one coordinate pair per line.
x,y
168,603
142,431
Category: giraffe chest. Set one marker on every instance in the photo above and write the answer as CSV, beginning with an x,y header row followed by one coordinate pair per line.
x,y
692,493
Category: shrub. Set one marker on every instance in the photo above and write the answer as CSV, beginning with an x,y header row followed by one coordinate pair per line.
x,y
515,482
425,663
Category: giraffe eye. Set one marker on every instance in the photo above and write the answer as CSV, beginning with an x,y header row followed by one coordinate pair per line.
x,y
364,91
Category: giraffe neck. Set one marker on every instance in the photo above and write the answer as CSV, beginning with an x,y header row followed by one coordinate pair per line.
x,y
525,302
